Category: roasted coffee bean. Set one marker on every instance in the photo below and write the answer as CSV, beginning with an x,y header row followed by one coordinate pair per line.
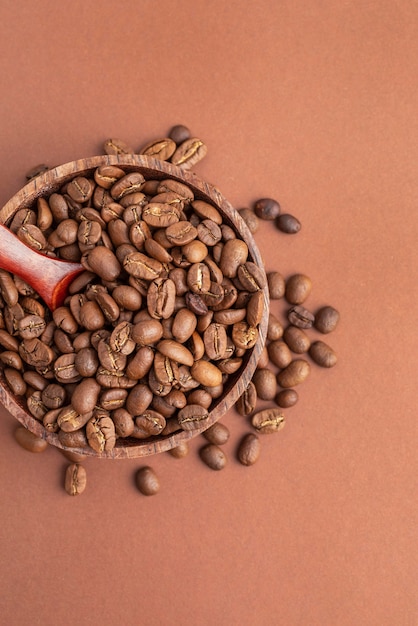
x,y
209,233
124,423
268,421
142,266
147,332
265,383
121,340
11,358
234,254
31,326
297,340
244,336
161,149
251,277
229,366
300,317
230,316
149,424
276,285
295,373
215,341
100,431
130,183
213,456
33,237
326,319
8,289
166,370
117,146
322,354
206,373
189,152
217,433
274,328
75,439
179,133
175,351
65,370
279,353
249,449
91,316
184,325
86,362
298,288
85,395
53,396
80,189
161,298
27,440
192,417
112,399
69,420
267,209
104,263
288,224
250,218
15,381
75,479
147,481
106,175
200,396
36,353
180,451
35,405
50,420
139,366
287,398
255,308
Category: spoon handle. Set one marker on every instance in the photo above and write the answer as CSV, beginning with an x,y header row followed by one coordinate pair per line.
x,y
49,277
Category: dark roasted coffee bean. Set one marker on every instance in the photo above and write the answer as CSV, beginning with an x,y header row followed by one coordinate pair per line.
x,y
195,303
147,481
179,133
15,381
75,479
326,319
268,421
295,373
213,456
53,396
249,449
300,317
267,208
322,354
288,224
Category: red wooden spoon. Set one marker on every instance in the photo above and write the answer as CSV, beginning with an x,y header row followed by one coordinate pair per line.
x,y
49,277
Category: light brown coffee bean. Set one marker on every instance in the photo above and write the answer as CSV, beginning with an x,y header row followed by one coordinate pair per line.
x,y
70,420
161,298
294,374
322,354
206,373
85,395
142,266
249,449
27,440
75,479
104,263
268,421
106,175
15,381
251,276
130,183
244,336
255,308
117,146
215,341
148,424
175,351
233,255
161,149
326,319
147,481
121,340
91,316
213,456
139,366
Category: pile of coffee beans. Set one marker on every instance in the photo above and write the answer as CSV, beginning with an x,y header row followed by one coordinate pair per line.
x,y
165,311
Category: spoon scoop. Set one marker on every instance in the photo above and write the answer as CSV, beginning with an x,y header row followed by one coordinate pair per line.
x,y
49,277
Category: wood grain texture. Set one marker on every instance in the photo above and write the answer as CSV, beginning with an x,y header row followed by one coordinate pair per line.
x,y
51,181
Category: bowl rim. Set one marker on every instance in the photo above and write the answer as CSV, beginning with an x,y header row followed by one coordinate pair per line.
x,y
53,179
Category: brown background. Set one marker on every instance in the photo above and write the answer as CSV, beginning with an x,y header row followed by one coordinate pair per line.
x,y
314,103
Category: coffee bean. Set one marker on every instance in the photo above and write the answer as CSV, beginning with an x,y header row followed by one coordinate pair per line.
x,y
206,373
250,218
268,421
192,417
75,479
27,440
213,456
217,434
247,402
287,398
326,319
180,451
179,133
276,285
161,149
100,431
147,481
117,146
189,152
249,449
279,353
265,384
274,328
267,209
300,317
322,354
297,340
298,288
295,373
288,224
85,396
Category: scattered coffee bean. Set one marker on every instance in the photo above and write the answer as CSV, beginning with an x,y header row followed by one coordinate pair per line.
x,y
276,284
297,339
326,319
180,451
179,133
288,224
294,374
287,398
300,317
147,481
213,456
268,421
267,209
217,433
250,218
298,288
322,354
265,383
75,479
249,449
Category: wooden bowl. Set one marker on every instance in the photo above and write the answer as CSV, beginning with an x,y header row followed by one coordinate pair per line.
x,y
52,180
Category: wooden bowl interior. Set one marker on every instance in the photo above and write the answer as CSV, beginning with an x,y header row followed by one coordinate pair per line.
x,y
51,181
